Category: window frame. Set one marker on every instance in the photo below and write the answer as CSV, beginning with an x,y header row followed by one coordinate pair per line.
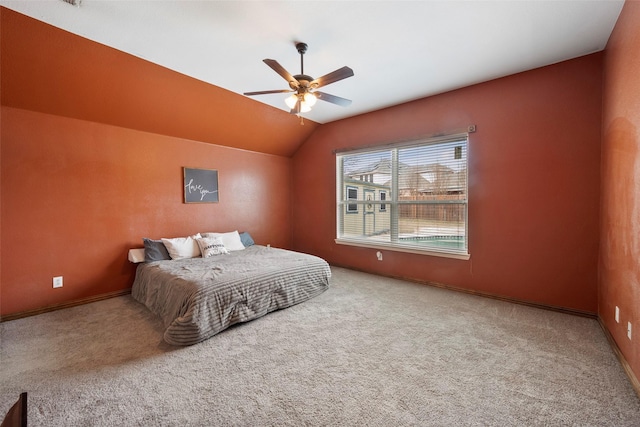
x,y
392,204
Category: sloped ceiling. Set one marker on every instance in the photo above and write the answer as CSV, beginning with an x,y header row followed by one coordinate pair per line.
x,y
51,71
399,50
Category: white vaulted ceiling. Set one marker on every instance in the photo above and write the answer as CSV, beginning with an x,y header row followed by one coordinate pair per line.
x,y
399,50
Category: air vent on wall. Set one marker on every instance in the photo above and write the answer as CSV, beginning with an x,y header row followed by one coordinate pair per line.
x,y
76,3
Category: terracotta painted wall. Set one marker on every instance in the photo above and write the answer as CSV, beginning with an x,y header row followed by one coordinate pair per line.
x,y
76,195
619,281
93,142
533,185
49,70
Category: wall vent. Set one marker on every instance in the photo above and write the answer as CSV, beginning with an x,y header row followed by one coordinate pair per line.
x,y
76,3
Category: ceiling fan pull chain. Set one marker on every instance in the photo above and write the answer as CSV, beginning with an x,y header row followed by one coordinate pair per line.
x,y
301,121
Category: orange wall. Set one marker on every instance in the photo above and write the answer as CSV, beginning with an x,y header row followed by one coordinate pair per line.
x,y
49,70
76,195
533,185
93,142
619,282
105,161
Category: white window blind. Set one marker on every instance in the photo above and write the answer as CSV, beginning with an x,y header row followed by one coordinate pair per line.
x,y
410,196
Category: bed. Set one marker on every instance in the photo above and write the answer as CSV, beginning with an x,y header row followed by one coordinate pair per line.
x,y
197,298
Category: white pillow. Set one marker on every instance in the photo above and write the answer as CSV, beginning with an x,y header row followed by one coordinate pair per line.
x,y
136,255
182,247
230,240
210,246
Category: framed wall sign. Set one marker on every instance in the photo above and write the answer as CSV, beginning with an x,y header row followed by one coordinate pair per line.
x,y
200,185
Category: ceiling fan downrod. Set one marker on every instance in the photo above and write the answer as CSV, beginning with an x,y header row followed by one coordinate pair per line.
x,y
302,49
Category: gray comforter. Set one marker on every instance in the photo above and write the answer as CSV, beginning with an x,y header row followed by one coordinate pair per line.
x,y
199,297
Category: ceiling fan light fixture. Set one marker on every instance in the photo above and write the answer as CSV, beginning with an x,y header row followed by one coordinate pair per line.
x,y
306,101
310,99
291,100
304,107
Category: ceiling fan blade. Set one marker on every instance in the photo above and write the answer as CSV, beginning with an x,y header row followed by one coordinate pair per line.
x,y
332,99
339,74
275,66
264,92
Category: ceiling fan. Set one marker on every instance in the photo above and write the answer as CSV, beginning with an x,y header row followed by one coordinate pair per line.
x,y
304,87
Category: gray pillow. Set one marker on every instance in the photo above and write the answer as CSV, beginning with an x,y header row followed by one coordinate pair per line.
x,y
246,239
155,250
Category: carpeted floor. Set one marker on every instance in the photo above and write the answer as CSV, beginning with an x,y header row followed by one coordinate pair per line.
x,y
370,351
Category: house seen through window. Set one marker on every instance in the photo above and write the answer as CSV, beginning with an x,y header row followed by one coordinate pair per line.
x,y
408,197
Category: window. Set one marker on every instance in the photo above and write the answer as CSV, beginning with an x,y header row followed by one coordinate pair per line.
x,y
352,194
422,197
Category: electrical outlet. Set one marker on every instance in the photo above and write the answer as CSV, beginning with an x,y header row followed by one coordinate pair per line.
x,y
629,330
617,314
57,282
379,255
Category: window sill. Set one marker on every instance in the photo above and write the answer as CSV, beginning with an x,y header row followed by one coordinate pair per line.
x,y
401,248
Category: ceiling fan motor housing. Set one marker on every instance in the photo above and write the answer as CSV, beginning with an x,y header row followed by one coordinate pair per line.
x,y
302,83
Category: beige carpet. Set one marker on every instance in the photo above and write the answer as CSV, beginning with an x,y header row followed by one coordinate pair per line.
x,y
370,351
